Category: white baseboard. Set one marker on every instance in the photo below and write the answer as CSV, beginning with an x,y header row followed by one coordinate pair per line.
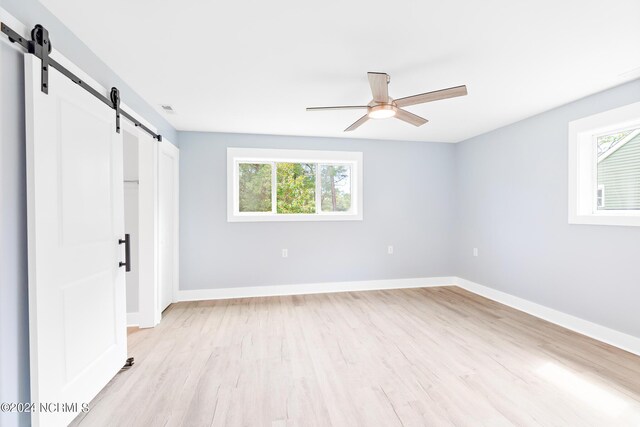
x,y
584,327
133,319
311,288
576,324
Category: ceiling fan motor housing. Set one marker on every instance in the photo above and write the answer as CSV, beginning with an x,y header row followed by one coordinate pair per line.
x,y
382,111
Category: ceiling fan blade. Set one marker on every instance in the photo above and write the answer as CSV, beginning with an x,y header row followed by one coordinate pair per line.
x,y
357,124
379,83
342,107
410,117
436,95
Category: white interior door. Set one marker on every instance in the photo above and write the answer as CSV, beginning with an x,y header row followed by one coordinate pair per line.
x,y
77,323
168,221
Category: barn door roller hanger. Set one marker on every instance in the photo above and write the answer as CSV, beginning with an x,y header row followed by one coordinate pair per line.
x,y
40,46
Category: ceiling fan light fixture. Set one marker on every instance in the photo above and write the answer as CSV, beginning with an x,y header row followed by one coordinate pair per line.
x,y
383,111
382,106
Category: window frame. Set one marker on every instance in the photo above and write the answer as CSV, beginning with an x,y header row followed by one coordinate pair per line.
x,y
236,155
583,186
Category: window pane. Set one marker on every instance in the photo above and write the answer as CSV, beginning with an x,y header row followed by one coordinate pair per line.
x,y
618,169
296,188
255,187
336,188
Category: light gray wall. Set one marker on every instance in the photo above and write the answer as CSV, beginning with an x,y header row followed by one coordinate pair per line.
x,y
407,203
512,205
14,349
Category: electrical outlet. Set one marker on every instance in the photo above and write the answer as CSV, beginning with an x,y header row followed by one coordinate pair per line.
x,y
475,251
390,250
285,253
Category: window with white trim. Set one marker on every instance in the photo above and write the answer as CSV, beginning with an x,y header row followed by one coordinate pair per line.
x,y
604,168
293,185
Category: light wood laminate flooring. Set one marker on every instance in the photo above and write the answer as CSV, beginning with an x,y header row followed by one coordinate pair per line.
x,y
431,356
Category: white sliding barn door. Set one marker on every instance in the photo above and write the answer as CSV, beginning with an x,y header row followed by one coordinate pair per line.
x,y
168,161
77,314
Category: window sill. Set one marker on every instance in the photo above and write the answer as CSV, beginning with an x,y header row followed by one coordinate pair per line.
x,y
631,219
293,217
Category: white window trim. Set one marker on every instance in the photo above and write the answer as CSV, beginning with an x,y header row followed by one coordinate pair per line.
x,y
262,155
582,166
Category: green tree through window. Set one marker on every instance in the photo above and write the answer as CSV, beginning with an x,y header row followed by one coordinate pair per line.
x,y
255,187
296,189
336,188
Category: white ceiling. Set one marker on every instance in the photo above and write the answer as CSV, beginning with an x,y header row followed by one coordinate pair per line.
x,y
253,66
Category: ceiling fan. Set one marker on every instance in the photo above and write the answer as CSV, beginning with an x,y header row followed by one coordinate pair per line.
x,y
382,106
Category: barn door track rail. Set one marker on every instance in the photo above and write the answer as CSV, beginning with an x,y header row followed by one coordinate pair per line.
x,y
40,46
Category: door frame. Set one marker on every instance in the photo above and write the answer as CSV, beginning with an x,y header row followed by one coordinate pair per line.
x,y
167,147
148,314
149,284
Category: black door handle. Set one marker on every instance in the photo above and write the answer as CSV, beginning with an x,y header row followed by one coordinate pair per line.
x,y
127,252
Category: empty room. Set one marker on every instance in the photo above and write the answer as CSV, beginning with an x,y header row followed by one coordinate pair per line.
x,y
339,213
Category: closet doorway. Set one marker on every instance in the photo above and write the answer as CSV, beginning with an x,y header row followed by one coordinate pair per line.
x,y
150,181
